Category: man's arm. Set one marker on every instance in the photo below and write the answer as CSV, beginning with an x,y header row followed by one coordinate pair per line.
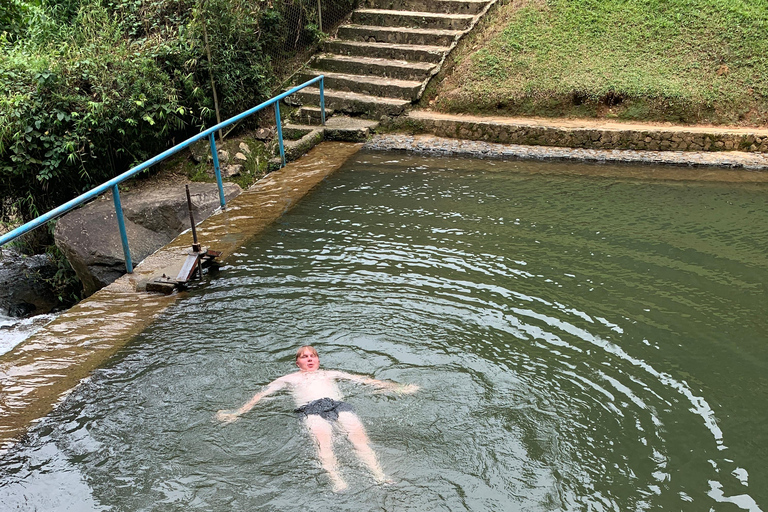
x,y
229,416
387,385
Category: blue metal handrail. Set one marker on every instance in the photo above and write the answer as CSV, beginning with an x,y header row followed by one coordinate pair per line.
x,y
114,182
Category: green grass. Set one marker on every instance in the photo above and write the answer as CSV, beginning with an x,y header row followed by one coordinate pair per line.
x,y
687,61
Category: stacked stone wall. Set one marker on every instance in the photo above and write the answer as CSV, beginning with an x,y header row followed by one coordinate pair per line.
x,y
592,138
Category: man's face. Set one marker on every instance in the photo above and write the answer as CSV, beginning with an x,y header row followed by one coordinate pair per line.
x,y
308,361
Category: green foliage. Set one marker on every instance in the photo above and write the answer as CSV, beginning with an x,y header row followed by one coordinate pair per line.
x,y
256,165
241,74
93,87
64,283
11,19
77,112
678,60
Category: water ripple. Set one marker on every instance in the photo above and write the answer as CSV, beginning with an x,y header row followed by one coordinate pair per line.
x,y
581,344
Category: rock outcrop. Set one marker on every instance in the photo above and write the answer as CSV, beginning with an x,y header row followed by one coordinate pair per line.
x,y
23,290
90,239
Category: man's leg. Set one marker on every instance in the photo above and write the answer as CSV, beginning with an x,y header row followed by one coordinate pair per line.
x,y
322,434
359,439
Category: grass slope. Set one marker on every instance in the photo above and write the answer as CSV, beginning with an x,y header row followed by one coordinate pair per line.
x,y
685,61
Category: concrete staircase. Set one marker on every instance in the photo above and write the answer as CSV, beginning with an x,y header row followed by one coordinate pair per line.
x,y
381,62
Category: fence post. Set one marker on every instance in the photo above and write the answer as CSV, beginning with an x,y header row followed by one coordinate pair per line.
x,y
319,16
121,226
280,132
322,98
217,170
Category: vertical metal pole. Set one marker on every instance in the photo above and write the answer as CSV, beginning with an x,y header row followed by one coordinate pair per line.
x,y
322,98
121,225
210,74
195,244
279,132
320,15
217,170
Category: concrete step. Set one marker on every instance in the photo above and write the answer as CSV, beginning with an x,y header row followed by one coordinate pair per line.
x,y
395,35
444,6
365,84
349,129
310,116
388,68
414,53
295,148
411,19
353,103
293,131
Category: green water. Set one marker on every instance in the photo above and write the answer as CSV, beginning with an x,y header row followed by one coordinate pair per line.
x,y
581,343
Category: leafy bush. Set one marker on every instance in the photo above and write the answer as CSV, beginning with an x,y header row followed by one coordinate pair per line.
x,y
95,86
12,18
78,111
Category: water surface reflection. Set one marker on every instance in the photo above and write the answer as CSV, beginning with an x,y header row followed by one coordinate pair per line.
x,y
582,343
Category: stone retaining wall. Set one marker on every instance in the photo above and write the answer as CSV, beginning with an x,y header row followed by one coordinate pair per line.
x,y
591,138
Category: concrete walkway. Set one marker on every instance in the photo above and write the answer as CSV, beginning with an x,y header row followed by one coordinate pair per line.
x,y
443,146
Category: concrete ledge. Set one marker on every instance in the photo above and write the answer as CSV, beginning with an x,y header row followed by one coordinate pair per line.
x,y
588,134
430,144
39,372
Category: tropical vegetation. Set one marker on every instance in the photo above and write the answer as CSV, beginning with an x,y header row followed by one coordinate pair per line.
x,y
92,87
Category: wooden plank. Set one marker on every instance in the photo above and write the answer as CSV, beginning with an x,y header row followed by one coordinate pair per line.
x,y
189,267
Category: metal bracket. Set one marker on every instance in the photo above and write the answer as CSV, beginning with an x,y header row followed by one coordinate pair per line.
x,y
195,263
197,259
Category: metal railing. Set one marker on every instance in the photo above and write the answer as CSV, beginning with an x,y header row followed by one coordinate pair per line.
x,y
114,182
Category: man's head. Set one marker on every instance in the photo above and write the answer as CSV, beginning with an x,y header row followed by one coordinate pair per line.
x,y
307,359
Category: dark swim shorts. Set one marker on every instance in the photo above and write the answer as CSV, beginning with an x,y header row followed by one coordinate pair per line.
x,y
326,408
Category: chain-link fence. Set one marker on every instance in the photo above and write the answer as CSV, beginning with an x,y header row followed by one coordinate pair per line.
x,y
302,25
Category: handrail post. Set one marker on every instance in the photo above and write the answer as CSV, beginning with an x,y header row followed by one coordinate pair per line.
x,y
217,169
121,226
280,132
322,98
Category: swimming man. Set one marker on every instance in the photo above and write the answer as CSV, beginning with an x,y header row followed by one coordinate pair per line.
x,y
319,401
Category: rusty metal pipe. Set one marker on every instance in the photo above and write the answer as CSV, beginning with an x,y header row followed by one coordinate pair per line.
x,y
195,245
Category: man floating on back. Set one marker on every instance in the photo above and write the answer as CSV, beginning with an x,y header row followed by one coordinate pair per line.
x,y
320,403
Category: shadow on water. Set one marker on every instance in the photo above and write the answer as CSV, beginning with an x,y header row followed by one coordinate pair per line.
x,y
581,343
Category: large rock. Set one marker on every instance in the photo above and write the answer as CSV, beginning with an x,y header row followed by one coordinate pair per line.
x,y
90,238
23,290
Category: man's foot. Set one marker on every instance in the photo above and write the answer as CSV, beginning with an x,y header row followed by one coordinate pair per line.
x,y
338,484
383,479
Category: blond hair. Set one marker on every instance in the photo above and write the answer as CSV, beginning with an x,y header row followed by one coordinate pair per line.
x,y
306,347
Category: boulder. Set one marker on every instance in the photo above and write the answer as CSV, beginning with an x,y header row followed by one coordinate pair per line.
x,y
90,238
264,134
23,290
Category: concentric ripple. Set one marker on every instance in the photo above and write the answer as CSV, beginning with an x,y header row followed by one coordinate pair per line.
x,y
581,342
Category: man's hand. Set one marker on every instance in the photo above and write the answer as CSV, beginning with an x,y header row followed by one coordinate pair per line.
x,y
227,416
406,389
